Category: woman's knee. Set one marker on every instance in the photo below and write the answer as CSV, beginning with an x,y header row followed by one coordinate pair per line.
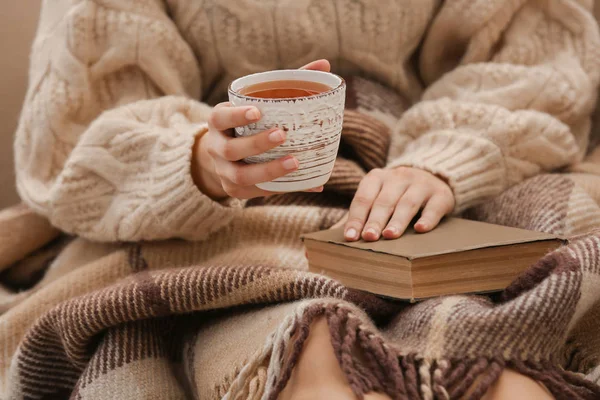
x,y
514,386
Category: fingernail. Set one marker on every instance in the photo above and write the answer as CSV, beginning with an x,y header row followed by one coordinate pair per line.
x,y
276,136
371,231
392,230
351,234
421,224
317,189
290,163
252,114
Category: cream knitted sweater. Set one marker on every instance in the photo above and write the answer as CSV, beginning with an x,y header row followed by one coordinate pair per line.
x,y
502,92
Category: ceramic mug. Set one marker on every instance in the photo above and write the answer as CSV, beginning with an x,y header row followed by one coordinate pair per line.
x,y
313,126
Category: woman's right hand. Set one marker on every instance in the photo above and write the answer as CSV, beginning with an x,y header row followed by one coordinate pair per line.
x,y
219,171
217,166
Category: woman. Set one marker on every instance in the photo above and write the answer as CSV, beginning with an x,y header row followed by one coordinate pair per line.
x,y
118,141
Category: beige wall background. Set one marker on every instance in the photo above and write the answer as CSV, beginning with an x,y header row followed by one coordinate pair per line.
x,y
18,23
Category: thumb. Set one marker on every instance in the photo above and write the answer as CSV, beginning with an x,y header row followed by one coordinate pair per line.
x,y
318,65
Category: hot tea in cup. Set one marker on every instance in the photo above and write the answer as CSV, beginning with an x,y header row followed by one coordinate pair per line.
x,y
309,106
284,89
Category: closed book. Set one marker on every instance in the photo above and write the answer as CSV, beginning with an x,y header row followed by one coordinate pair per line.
x,y
459,256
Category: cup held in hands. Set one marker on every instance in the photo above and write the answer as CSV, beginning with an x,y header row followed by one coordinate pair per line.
x,y
309,106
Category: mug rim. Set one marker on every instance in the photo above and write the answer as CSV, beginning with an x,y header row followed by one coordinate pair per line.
x,y
312,96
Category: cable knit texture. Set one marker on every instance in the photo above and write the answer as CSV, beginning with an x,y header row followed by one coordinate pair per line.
x,y
104,143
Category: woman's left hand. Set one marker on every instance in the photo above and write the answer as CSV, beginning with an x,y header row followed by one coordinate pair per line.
x,y
388,199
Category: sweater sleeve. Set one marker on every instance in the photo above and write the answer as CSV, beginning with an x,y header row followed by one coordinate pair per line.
x,y
512,88
104,143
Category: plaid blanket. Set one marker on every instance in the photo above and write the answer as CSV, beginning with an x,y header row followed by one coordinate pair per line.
x,y
127,325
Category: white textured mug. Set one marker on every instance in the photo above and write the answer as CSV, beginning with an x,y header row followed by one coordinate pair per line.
x,y
313,126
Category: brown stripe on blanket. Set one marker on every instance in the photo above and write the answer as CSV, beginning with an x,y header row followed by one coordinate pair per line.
x,y
368,96
550,193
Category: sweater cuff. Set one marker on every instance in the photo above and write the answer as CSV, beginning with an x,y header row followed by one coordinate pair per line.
x,y
472,166
178,203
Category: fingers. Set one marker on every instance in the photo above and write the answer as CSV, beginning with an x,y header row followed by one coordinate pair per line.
x,y
236,149
365,196
318,65
383,207
238,179
391,198
408,206
241,174
225,117
435,209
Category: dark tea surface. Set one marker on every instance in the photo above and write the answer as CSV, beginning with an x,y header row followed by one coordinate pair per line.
x,y
284,89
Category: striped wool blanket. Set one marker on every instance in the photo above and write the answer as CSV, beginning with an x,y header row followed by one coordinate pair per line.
x,y
127,324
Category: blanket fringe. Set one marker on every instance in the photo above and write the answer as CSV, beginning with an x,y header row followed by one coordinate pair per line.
x,y
371,365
